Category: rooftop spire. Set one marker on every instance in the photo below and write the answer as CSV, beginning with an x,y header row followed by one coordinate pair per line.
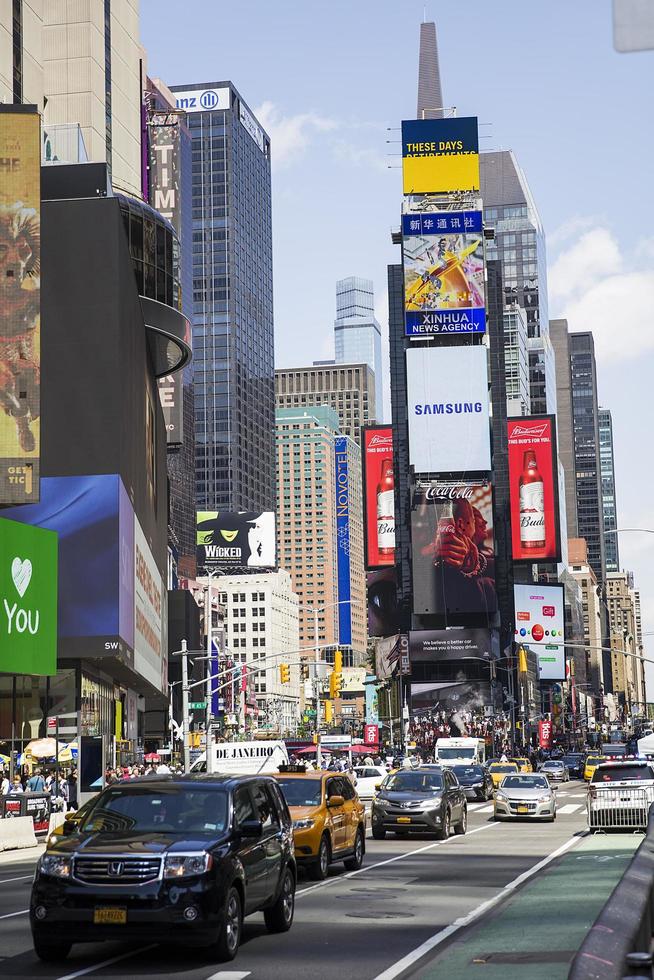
x,y
430,93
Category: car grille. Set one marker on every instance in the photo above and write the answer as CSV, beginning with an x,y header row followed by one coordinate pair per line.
x,y
116,871
530,806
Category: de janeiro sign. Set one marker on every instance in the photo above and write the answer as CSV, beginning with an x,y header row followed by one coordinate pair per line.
x,y
28,599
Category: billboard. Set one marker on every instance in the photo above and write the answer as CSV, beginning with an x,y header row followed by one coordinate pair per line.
x,y
20,304
448,409
440,155
540,626
455,700
533,482
452,547
387,656
243,539
378,495
150,598
171,397
443,259
28,588
383,610
203,100
343,540
454,644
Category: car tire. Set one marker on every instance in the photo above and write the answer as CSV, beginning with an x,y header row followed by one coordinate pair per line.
x,y
49,952
378,833
444,832
229,937
279,917
461,827
320,867
356,861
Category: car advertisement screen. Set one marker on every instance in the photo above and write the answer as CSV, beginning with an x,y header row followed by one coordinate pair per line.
x,y
244,539
443,258
383,610
379,496
452,549
455,644
440,155
533,482
540,626
448,409
20,305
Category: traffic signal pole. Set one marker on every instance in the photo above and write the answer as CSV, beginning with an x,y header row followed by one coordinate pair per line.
x,y
317,688
185,718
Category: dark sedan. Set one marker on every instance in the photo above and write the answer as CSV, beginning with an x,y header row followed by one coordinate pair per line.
x,y
420,800
475,782
575,764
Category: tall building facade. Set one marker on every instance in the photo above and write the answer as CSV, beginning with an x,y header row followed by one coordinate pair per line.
x,y
580,570
623,603
430,92
585,414
350,389
560,338
21,52
516,361
233,335
357,334
609,506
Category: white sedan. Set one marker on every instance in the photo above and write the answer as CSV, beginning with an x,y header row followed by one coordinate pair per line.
x,y
368,777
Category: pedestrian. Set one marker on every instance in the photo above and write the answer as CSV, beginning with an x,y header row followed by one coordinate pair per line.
x,y
36,782
163,769
4,784
16,786
72,790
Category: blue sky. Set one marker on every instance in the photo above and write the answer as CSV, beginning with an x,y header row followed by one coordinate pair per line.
x,y
331,82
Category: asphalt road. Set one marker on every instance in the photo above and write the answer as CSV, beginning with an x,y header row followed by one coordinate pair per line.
x,y
410,895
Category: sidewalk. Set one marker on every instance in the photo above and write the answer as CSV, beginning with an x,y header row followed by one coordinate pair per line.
x,y
22,854
538,930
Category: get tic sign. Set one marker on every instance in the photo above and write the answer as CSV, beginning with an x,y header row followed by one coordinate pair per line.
x,y
371,734
545,734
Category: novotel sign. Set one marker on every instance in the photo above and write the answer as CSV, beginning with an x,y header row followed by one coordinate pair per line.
x,y
204,100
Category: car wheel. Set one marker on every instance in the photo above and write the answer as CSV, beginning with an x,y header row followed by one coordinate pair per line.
x,y
320,867
355,862
50,952
229,936
378,833
279,917
461,827
444,832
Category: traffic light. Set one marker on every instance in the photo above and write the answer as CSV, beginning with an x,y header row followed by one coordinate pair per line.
x,y
522,660
336,676
284,674
194,738
304,670
329,712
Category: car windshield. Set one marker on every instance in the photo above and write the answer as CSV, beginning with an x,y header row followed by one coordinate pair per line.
x,y
458,753
616,774
177,809
504,767
595,760
302,792
414,782
525,782
468,772
553,765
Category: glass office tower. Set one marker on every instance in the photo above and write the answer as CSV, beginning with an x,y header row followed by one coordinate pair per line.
x,y
609,508
357,334
233,338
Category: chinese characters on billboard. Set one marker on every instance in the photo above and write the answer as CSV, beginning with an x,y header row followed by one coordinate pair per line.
x,y
379,496
443,257
453,550
440,155
533,481
343,540
540,626
20,304
237,540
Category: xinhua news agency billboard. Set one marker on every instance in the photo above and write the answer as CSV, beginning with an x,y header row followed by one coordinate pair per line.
x,y
443,259
20,304
343,539
244,539
534,488
540,625
440,155
448,408
378,496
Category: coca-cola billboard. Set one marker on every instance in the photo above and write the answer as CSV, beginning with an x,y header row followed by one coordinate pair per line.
x,y
534,485
452,548
379,496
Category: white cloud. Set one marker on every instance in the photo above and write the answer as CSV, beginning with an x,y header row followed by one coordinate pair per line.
x,y
359,156
586,262
290,135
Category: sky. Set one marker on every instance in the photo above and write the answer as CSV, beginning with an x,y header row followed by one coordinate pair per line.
x,y
331,80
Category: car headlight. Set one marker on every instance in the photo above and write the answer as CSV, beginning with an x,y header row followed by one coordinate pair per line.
x,y
184,865
304,824
477,785
544,799
53,864
433,803
500,797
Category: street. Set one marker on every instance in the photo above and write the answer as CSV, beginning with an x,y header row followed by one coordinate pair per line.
x,y
379,922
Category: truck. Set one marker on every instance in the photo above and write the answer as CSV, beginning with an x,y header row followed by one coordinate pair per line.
x,y
458,751
264,755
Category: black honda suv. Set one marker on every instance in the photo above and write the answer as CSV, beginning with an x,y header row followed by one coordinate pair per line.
x,y
171,859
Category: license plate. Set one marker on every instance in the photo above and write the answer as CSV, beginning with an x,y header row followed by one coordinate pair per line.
x,y
109,917
404,819
523,809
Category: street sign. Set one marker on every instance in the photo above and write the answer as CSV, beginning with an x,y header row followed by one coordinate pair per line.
x,y
198,705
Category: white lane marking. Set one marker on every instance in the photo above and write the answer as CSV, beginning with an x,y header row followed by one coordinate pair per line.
x,y
569,808
114,959
578,796
398,968
5,881
10,915
398,857
486,809
230,975
475,806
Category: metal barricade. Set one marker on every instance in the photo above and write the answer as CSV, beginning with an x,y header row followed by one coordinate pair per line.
x,y
618,809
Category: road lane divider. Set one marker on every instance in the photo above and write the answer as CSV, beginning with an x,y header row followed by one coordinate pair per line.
x,y
569,808
10,915
114,959
6,881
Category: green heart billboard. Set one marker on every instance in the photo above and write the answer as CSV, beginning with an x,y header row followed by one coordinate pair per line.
x,y
28,599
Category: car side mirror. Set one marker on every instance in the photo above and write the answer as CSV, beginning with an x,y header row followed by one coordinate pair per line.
x,y
69,827
251,828
336,801
377,786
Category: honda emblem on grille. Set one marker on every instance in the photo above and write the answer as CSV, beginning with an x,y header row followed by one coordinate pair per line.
x,y
116,868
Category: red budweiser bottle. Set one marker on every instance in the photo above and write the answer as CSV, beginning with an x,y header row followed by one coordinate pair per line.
x,y
532,504
386,513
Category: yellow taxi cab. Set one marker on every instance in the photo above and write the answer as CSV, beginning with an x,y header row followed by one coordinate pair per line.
x,y
523,764
498,770
72,817
329,819
591,764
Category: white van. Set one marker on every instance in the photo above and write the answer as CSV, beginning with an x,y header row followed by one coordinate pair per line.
x,y
244,757
455,751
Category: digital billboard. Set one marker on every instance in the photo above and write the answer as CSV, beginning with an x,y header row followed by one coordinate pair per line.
x,y
28,589
443,259
150,615
452,547
20,304
540,626
454,644
533,482
378,495
447,389
440,155
243,539
454,699
383,610
343,539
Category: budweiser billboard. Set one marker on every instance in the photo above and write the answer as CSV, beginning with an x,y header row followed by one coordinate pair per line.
x,y
534,486
379,496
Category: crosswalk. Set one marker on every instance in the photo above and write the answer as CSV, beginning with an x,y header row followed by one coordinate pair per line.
x,y
565,809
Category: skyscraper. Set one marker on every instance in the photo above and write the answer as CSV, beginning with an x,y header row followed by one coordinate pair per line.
x,y
585,414
357,334
561,343
430,92
350,389
609,507
233,339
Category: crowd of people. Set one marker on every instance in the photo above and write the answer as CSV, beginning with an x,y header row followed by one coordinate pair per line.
x,y
425,729
62,787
